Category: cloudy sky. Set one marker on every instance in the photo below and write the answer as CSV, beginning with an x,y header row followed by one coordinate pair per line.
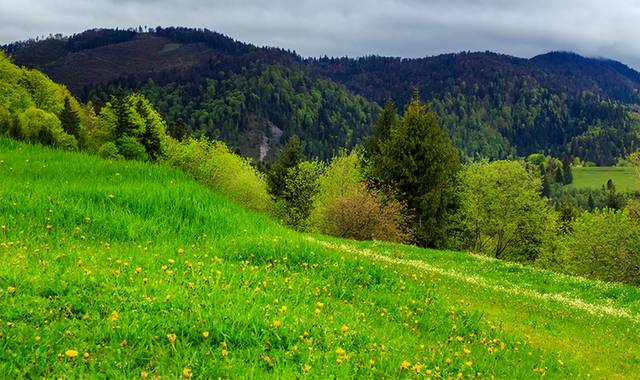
x,y
408,28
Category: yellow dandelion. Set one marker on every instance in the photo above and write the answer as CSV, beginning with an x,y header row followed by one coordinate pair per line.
x,y
417,367
144,374
187,372
168,297
267,359
469,363
404,365
466,351
71,354
344,329
114,316
172,338
171,261
340,351
460,339
371,362
37,338
180,251
138,270
224,353
283,309
86,355
205,334
11,289
277,323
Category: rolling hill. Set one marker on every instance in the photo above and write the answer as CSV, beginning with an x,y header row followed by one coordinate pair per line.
x,y
126,269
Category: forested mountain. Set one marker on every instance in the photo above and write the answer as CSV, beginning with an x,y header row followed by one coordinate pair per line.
x,y
492,105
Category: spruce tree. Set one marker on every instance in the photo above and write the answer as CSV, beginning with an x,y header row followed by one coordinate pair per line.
x,y
289,158
568,174
419,161
69,119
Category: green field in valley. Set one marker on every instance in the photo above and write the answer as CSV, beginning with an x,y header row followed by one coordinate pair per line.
x,y
625,178
128,270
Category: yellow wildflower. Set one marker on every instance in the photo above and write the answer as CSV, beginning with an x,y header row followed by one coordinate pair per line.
x,y
172,338
71,354
344,329
187,372
205,334
114,316
404,365
340,351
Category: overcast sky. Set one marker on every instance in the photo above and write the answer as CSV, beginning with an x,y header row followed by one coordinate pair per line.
x,y
407,28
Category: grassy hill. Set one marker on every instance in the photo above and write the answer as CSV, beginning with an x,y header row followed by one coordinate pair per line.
x,y
125,269
624,178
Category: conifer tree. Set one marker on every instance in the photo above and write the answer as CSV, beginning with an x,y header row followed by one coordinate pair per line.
x,y
69,119
419,161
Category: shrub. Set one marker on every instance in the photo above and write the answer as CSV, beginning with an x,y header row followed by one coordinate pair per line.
x,y
214,165
367,214
501,212
342,177
109,150
604,245
131,149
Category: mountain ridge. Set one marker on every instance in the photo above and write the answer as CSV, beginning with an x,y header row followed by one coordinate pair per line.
x,y
492,105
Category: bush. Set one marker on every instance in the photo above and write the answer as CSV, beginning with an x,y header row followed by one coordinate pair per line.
x,y
604,245
366,214
109,150
131,149
214,165
501,212
342,177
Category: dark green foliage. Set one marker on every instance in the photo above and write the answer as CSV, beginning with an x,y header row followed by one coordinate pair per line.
x,y
614,200
295,204
381,131
288,159
69,119
567,178
419,161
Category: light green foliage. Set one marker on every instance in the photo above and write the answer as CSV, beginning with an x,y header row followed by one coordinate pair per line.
x,y
604,245
342,177
31,106
131,122
109,150
111,258
213,164
501,213
38,126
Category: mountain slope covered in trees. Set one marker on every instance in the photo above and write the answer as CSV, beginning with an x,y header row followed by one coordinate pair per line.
x,y
492,105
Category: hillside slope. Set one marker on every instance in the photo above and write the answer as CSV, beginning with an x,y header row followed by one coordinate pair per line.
x,y
493,105
128,269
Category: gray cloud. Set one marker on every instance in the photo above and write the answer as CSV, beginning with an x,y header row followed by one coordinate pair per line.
x,y
408,28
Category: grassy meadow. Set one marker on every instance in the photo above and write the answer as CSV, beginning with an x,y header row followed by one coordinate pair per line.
x,y
625,178
127,270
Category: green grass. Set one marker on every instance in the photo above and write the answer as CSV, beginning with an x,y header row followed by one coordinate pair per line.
x,y
625,178
111,258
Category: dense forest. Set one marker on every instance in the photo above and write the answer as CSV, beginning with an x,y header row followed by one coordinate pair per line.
x,y
491,105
